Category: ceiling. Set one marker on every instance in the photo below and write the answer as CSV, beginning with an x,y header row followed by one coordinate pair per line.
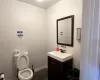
x,y
41,3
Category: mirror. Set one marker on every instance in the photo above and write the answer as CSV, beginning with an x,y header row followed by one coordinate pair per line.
x,y
65,31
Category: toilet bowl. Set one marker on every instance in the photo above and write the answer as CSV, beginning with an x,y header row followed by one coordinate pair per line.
x,y
25,74
22,63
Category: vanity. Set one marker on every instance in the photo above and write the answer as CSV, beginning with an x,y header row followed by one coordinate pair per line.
x,y
58,65
59,62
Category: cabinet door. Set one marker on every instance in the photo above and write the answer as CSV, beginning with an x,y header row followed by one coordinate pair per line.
x,y
54,69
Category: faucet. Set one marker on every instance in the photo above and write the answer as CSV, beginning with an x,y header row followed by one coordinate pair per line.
x,y
62,51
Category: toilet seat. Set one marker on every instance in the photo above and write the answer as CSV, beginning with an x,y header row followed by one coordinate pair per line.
x,y
25,74
22,61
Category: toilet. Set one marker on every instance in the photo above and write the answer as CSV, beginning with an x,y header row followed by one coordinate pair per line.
x,y
22,63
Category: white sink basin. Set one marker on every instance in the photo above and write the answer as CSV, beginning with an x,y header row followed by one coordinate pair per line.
x,y
60,56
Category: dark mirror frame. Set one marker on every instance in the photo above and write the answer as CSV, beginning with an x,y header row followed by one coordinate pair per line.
x,y
72,30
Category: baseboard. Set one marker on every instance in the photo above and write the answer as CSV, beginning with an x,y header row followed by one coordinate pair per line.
x,y
43,67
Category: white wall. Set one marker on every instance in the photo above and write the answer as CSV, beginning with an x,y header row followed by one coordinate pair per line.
x,y
14,16
61,9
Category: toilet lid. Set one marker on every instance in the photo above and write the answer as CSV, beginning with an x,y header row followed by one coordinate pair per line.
x,y
22,61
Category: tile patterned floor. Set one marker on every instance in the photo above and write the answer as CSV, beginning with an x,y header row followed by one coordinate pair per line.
x,y
41,75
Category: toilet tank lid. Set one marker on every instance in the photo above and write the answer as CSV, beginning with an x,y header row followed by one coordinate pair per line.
x,y
23,61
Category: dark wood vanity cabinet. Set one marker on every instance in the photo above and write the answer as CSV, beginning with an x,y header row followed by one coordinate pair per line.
x,y
57,70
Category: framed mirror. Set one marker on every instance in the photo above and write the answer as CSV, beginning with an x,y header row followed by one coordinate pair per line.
x,y
65,31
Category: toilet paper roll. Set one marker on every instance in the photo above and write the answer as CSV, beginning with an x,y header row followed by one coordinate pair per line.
x,y
2,76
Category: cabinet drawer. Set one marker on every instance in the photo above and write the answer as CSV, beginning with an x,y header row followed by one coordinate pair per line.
x,y
53,61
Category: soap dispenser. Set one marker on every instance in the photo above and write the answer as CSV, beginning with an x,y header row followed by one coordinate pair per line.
x,y
57,49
